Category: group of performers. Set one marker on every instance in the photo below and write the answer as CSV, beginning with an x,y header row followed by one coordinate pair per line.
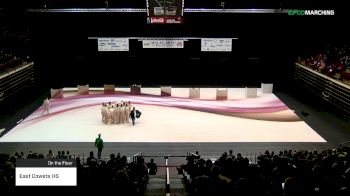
x,y
117,113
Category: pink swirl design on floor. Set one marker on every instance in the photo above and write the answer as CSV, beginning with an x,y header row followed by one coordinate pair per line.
x,y
59,106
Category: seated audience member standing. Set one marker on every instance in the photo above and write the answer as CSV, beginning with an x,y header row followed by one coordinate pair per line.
x,y
50,155
152,167
92,161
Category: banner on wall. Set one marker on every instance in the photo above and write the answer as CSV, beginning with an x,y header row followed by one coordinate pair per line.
x,y
113,44
216,45
163,43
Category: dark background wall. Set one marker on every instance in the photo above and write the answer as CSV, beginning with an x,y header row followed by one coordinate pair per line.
x,y
266,48
300,4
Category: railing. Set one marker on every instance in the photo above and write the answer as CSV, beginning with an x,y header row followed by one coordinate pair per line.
x,y
15,80
134,157
167,178
141,10
345,144
329,89
252,160
81,156
166,167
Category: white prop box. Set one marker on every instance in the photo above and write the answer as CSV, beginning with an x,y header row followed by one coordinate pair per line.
x,y
56,93
165,91
109,88
195,93
135,89
221,94
266,88
251,92
83,89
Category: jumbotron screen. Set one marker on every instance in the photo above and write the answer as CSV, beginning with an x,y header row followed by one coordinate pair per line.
x,y
165,11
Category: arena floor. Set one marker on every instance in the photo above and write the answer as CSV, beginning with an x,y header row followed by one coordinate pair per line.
x,y
77,118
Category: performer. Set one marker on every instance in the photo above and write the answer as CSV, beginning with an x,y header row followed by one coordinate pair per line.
x,y
127,111
102,113
112,114
105,114
46,105
122,113
99,145
117,117
109,106
130,108
134,114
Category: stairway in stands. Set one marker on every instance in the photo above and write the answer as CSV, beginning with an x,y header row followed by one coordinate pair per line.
x,y
156,186
177,186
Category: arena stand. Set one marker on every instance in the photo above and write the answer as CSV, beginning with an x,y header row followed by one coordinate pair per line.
x,y
287,172
114,174
333,61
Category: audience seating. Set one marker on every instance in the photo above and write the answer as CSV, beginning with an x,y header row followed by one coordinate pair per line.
x,y
288,172
96,175
333,61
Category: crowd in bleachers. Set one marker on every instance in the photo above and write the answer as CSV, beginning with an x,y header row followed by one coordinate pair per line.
x,y
14,44
283,173
333,61
116,174
8,61
288,172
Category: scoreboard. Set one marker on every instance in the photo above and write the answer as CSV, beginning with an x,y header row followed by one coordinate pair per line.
x,y
164,11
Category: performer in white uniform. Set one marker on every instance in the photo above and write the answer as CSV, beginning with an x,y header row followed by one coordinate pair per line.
x,y
102,113
112,115
118,114
122,113
127,112
46,106
109,106
105,114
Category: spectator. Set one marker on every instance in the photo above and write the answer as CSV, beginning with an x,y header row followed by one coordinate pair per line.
x,y
152,167
50,155
91,161
68,155
58,155
230,155
332,61
111,163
